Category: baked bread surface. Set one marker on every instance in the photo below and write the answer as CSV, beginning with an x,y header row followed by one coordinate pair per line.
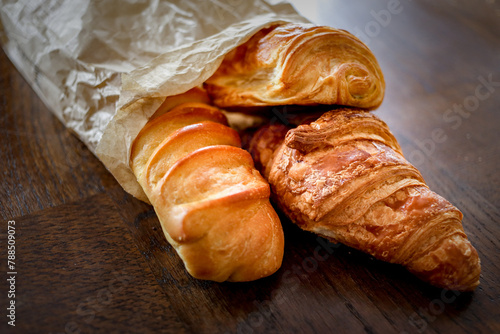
x,y
213,205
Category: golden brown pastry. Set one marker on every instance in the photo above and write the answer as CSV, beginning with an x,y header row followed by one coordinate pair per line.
x,y
344,177
195,94
298,64
212,203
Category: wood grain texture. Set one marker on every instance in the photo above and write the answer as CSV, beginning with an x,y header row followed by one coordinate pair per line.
x,y
78,228
79,272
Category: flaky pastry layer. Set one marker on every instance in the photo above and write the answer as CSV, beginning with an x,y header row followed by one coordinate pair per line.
x,y
299,64
344,177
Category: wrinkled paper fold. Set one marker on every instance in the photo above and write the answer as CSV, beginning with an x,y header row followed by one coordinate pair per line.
x,y
103,67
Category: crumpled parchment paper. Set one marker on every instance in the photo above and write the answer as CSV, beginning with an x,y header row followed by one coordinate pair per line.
x,y
103,67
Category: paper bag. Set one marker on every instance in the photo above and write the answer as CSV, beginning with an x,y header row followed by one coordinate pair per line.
x,y
103,67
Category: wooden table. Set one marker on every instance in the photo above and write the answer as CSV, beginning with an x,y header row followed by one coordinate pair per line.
x,y
92,259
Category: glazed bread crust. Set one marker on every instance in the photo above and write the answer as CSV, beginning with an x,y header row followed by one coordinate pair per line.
x,y
213,205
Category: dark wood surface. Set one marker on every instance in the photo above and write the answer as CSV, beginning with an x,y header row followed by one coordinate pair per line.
x,y
92,259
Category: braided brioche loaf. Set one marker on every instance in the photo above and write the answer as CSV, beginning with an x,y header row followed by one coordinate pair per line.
x,y
212,203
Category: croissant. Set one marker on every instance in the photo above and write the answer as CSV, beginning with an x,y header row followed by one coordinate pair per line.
x,y
213,205
298,64
344,177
